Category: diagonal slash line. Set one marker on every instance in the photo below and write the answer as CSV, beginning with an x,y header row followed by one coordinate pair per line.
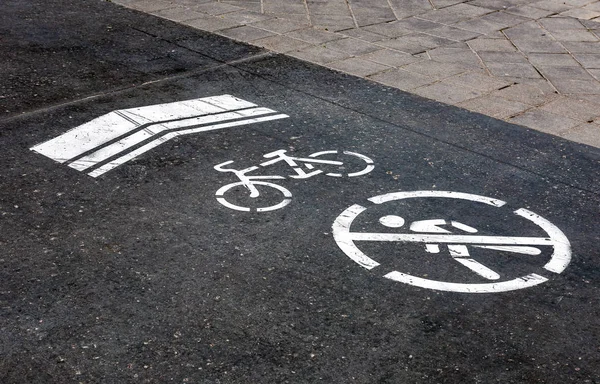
x,y
448,239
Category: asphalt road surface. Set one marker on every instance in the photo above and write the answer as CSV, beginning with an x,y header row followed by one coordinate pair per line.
x,y
128,257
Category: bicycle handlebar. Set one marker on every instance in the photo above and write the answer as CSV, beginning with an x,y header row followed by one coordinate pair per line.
x,y
274,153
219,167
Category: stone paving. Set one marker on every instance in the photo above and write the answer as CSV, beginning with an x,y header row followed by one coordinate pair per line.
x,y
528,62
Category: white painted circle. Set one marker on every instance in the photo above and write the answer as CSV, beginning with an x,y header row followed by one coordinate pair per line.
x,y
559,259
392,221
287,196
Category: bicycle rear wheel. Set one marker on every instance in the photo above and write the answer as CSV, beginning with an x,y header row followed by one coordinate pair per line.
x,y
232,192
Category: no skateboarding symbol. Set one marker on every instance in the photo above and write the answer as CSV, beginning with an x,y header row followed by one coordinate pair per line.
x,y
449,241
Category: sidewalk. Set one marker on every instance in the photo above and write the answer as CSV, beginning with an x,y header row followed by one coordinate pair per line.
x,y
527,62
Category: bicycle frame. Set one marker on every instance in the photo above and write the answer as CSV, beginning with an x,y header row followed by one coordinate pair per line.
x,y
291,161
247,180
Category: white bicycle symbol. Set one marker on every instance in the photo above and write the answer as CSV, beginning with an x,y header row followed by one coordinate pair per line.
x,y
251,183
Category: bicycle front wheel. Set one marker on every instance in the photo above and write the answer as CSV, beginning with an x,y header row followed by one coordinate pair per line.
x,y
351,160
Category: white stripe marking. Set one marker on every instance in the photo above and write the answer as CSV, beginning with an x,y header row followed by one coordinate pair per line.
x,y
458,250
135,153
478,268
153,130
518,249
464,227
171,111
449,239
85,137
228,102
105,128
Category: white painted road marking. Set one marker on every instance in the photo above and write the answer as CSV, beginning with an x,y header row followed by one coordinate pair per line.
x,y
392,221
519,249
250,181
449,239
510,285
171,135
151,131
111,140
449,194
458,245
